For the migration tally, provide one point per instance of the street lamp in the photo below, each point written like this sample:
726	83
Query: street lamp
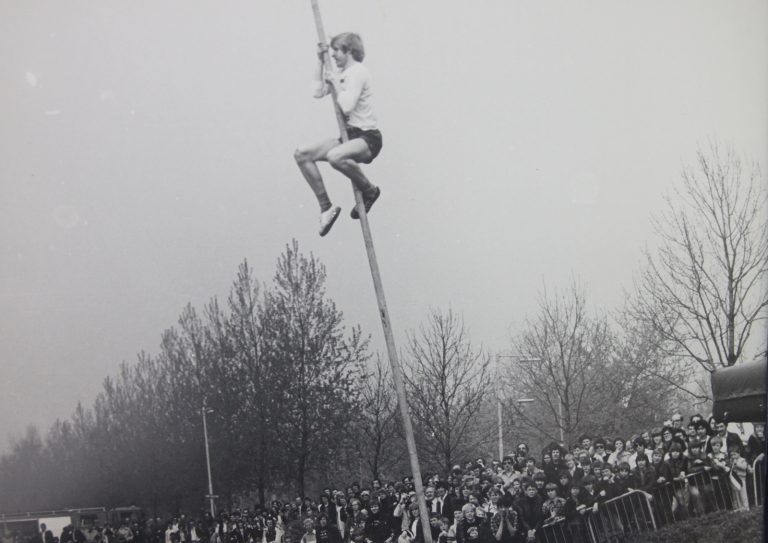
210	494
501	433
559	397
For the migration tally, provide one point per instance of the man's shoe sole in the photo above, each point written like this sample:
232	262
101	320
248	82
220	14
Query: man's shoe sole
355	215
328	226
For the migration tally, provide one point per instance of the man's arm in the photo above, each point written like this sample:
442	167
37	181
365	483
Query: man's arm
354	81
320	87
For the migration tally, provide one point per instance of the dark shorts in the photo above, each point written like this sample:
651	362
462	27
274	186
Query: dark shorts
372	138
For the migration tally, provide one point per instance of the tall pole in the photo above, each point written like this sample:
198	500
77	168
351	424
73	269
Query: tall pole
397	376
501	435
208	462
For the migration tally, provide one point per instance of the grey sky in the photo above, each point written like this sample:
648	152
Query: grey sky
146	149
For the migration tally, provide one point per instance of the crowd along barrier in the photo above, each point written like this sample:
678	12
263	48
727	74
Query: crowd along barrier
636	512
628	514
697	494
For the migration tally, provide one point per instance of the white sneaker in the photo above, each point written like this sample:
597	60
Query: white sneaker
327	218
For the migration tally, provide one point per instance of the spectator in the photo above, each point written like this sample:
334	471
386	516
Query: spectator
505	525
644	475
553	506
575	511
619	454
529	508
738	477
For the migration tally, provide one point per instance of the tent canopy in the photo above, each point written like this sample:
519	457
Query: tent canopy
739	392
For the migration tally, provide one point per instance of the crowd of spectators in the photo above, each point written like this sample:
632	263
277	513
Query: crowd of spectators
479	501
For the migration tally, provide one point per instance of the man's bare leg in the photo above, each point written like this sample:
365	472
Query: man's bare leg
307	158
344	157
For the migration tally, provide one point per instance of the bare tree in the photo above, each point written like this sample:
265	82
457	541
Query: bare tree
704	288
449	383
378	439
565	352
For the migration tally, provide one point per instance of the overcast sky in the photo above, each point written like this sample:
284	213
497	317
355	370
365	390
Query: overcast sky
146	149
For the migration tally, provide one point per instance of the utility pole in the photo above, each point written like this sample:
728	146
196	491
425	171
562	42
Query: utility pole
383	311
210	496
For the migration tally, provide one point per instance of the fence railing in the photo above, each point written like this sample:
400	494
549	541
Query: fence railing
636	512
697	494
556	532
758	480
630	513
562	530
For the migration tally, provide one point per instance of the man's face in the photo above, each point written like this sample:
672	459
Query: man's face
440	492
530	491
690	430
677	421
429	493
721	428
586	443
760	430
342	58
701	431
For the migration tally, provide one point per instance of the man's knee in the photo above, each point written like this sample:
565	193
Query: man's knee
302	154
338	160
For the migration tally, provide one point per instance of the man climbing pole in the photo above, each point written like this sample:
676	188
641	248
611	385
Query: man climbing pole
351	85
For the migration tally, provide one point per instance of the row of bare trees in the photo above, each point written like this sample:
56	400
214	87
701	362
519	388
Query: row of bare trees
298	402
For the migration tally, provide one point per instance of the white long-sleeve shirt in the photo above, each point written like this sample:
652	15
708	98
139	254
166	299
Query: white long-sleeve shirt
354	95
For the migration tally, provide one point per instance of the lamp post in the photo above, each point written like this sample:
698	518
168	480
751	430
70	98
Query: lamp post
518	358
210	494
500	421
559	398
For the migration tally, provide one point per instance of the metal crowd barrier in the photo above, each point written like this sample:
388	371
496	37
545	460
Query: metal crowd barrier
561	531
700	493
636	512
555	532
630	513
758	479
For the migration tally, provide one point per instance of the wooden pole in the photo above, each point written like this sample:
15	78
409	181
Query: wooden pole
397	375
